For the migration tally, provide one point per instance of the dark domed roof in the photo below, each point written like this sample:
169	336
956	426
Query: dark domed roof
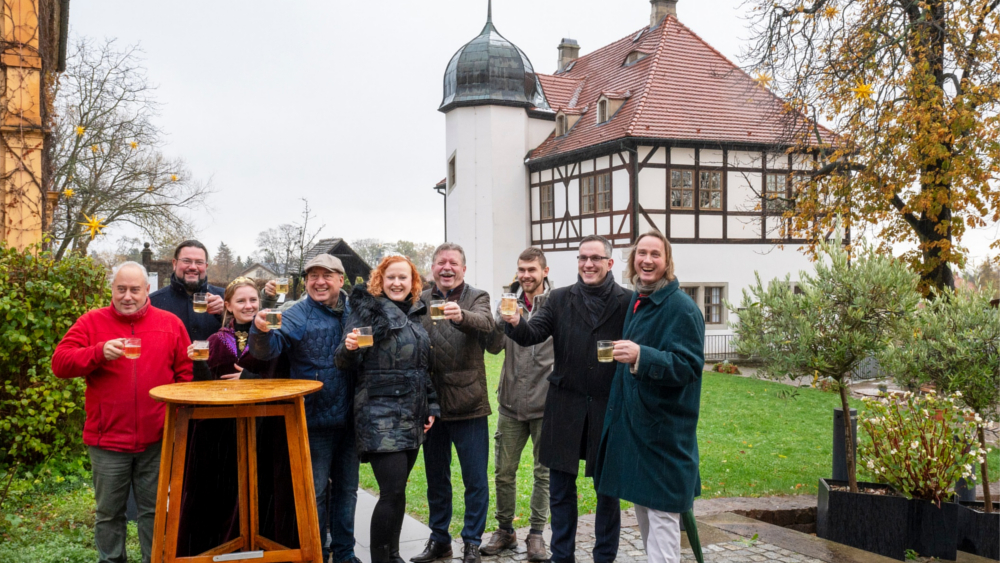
489	70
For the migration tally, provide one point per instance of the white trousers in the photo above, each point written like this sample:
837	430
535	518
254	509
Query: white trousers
661	534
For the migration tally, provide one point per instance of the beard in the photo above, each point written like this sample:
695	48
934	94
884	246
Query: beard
193	286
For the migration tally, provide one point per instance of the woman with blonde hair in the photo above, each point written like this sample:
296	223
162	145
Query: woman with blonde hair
649	446
394	400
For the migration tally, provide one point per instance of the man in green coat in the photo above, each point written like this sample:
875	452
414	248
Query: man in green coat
649	447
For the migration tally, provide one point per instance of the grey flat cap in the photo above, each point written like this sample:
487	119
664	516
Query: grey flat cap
327	262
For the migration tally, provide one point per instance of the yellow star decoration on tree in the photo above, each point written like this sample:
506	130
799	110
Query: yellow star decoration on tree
763	80
862	91
173	177
94	148
68	192
135	145
80	129
93	225
150	188
831	12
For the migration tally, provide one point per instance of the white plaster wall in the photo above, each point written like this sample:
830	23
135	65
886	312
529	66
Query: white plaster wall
735	265
488	208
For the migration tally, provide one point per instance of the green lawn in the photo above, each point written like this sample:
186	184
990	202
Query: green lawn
753	443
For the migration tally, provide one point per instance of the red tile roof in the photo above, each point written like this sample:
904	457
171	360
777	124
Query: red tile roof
685	90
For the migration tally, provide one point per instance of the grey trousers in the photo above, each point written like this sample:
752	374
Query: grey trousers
511	437
114	474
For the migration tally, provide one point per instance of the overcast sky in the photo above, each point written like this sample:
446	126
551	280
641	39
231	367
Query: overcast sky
336	101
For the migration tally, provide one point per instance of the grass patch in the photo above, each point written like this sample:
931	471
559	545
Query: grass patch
752	443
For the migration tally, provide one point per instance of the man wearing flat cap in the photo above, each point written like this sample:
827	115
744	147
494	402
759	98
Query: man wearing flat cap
309	335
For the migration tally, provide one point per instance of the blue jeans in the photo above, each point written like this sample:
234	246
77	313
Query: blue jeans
335	466
114	474
472	441
563	506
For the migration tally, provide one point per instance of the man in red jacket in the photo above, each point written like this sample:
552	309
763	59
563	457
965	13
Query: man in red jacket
124	425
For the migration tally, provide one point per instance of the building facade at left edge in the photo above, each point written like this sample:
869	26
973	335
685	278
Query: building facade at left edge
32	52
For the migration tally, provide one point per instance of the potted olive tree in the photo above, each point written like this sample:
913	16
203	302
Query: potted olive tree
919	444
849	309
955	344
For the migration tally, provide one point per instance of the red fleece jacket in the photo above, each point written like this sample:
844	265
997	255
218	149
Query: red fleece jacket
121	416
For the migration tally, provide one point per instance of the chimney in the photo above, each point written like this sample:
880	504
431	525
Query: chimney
662	9
569	51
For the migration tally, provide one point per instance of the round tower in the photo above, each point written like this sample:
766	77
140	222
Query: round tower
490	87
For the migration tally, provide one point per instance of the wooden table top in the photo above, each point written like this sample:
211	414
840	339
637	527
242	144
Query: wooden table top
234	392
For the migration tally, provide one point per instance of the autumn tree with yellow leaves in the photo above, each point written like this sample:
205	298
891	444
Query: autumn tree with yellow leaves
912	91
107	164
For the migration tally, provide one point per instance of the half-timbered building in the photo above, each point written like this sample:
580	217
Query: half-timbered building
657	130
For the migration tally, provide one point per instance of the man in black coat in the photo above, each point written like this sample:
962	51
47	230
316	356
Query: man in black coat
576	317
190	276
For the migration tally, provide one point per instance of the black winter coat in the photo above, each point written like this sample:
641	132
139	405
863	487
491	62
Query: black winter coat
393	393
579	385
177	300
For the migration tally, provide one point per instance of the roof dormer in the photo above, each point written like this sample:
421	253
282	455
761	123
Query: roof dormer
609	103
566	119
634	57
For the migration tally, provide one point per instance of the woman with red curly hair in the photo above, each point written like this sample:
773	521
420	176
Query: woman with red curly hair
394	400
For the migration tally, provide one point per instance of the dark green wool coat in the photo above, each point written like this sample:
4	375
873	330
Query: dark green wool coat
649	446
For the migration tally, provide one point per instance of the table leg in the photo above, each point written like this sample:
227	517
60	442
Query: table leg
183	418
243	468
302	486
254	524
160	523
300	409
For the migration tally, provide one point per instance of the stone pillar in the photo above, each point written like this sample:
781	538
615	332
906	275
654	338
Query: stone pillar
662	9
569	50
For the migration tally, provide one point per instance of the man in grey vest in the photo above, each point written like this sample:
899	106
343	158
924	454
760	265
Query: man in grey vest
521	397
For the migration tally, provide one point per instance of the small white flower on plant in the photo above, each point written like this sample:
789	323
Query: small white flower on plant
968	467
871	464
893	452
978	418
914	444
958	393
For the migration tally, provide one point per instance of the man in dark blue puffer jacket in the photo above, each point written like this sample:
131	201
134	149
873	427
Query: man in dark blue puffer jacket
309	335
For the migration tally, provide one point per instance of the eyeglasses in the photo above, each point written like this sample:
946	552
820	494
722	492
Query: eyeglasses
594	259
188	262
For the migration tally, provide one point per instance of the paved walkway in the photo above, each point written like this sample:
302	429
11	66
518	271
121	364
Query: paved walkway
725	538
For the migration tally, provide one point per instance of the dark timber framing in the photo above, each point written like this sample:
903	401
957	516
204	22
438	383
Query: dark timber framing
568	228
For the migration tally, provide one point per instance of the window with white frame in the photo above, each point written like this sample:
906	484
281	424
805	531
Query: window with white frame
603	192
713	304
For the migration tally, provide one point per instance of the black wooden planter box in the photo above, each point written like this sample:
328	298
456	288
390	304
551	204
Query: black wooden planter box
978	532
886	524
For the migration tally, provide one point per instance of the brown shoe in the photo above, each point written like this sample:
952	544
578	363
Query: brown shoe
501	540
536	548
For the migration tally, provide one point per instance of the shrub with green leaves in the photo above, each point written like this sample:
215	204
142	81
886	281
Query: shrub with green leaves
41	417
954	344
920	444
848	309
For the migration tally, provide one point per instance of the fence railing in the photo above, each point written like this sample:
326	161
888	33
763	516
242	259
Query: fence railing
718	348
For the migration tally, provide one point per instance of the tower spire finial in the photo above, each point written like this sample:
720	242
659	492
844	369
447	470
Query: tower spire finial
489	11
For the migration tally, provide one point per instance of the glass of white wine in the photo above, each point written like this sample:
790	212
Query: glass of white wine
437	310
273	318
200	301
605	351
365	338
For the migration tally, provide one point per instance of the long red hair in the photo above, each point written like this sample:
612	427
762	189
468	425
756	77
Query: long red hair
377	278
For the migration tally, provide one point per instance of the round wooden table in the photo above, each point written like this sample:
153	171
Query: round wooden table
244	400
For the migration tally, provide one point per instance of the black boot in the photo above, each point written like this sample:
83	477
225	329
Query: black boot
433	551
470	553
381	554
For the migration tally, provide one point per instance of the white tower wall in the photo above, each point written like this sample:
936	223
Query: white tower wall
488	211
